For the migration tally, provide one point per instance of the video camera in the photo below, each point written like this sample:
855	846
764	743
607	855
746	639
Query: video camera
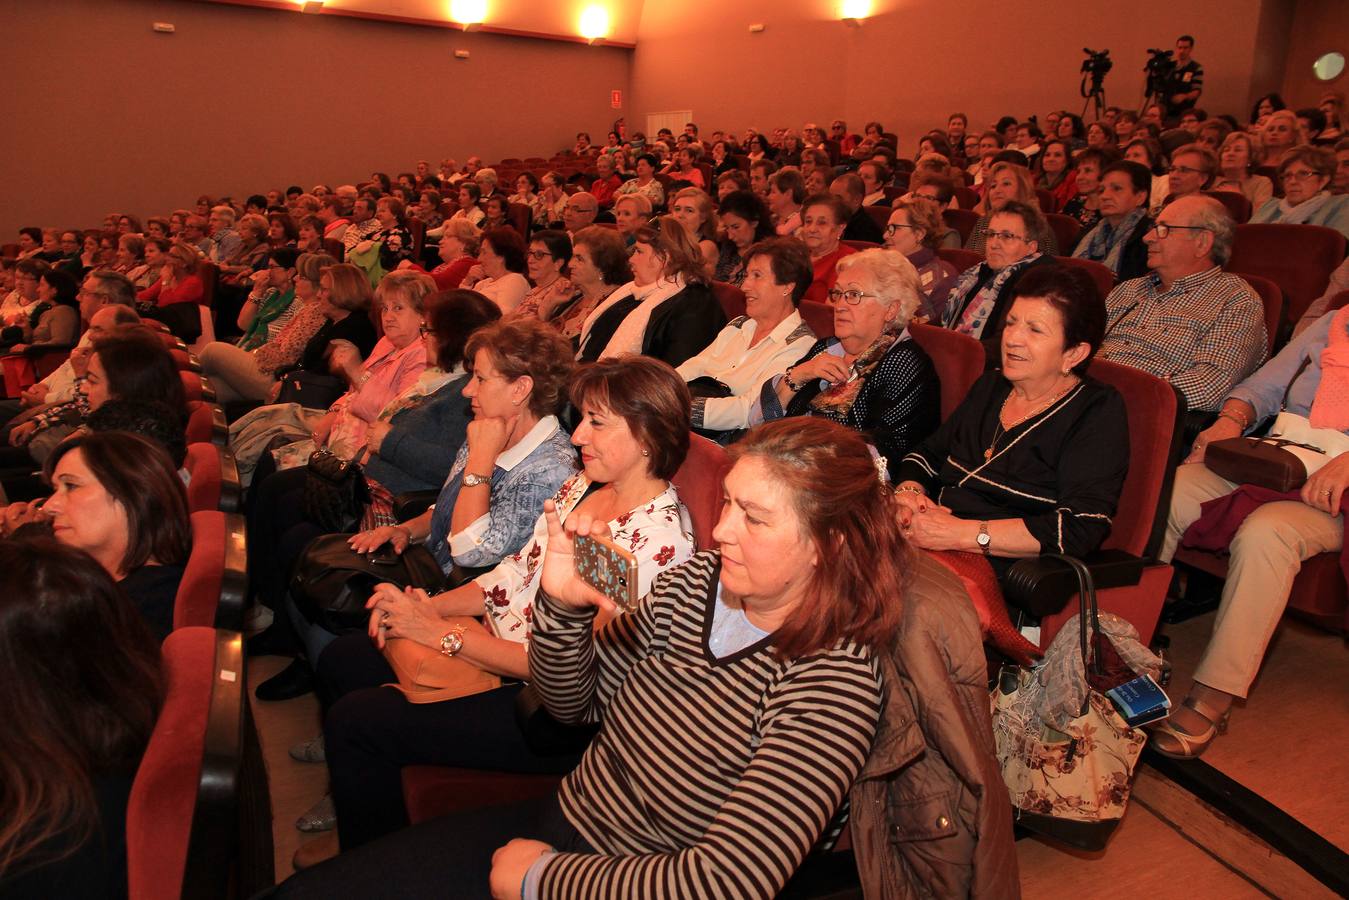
1096	66
1160	66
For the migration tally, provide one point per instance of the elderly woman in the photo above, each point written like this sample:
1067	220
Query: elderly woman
645	183
725	377
823	220
606	181
1148	152
1237	158
871	375
981	296
1278	135
526	189
173	299
1034	459
549	254
241	373
469	210
692	208
1193	168
392	240
459	243
1006	183
499	274
1085	204
599	266
551	203
1305	173
745	220
633	436
786	193
915	229
251	253
1268	535
1117	241
667	311
270	304
776	710
130	258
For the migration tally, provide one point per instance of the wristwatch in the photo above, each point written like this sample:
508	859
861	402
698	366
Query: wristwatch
791	385
471	480
453	641
984	540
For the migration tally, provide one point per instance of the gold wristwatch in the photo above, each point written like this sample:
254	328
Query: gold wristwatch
453	641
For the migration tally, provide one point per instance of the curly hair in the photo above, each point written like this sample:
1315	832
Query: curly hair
526	346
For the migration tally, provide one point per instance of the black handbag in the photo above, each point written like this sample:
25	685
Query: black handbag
335	492
332	582
310	389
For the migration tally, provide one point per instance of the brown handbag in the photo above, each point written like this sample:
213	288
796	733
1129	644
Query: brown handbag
1262	462
425	675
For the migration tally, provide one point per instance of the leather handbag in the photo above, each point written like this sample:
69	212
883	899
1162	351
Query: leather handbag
1264	462
335	492
425	675
332	582
1073	784
310	389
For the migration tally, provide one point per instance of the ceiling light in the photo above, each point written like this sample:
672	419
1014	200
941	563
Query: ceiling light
468	12
594	23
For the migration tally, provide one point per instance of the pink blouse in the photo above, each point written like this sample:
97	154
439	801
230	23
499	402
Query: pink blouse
386	374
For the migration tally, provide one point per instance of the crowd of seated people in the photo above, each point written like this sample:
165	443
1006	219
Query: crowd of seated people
539	364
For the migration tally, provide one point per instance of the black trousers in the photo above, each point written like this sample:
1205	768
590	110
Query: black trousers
447	857
371	733
278	530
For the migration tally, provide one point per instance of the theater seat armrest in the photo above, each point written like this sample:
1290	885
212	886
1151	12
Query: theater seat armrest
412	504
1042	586
34	351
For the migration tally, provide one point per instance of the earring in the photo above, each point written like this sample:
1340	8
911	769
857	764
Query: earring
646	452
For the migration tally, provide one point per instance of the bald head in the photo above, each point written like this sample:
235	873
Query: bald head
581	211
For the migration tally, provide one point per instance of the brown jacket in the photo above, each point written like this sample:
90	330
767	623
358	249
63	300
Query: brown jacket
930	813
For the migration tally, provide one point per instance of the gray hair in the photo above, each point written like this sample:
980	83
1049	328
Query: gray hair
1212	216
895	277
414	287
115	287
488	175
225	212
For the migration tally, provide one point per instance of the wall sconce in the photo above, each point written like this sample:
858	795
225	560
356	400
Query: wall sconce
854	12
594	23
468	13
311	6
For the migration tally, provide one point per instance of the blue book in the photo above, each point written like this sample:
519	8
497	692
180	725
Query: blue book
1140	701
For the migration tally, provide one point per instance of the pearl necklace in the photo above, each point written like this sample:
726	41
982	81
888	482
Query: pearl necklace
1000	431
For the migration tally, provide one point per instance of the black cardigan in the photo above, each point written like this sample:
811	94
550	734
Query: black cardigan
679	328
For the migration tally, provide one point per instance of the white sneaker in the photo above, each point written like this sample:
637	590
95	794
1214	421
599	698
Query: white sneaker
310	751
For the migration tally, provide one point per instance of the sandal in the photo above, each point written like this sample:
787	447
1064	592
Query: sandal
1171	741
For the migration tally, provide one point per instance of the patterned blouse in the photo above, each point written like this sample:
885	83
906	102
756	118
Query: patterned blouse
658	533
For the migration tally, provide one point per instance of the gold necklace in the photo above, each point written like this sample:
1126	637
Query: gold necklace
1000	431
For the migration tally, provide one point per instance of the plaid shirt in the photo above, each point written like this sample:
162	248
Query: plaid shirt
1204	335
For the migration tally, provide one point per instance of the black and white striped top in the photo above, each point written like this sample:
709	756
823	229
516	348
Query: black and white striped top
710	777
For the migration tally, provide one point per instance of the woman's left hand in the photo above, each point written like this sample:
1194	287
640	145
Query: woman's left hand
509	865
936	529
364	246
405	613
1324	490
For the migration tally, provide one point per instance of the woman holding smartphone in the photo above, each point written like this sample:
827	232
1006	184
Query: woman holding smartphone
633	436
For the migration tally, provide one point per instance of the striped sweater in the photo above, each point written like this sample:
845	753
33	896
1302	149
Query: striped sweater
709	778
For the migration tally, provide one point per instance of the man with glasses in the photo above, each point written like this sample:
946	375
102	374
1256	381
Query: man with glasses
21	301
1187	321
838	131
225	241
582	207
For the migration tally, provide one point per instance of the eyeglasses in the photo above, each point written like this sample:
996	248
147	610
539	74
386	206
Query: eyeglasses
1004	236
895	226
1185	170
852	298
1164	229
423	329
539	255
1302	175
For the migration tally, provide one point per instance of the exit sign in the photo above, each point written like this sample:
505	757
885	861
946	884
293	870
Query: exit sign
616	99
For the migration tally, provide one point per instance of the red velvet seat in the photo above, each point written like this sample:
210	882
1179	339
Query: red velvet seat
335	248
819	316
203	467
880	214
1046	199
520	217
962	220
966	198
1272	298
23	370
1101	274
182	823
1154	410
431	791
861	245
1298	258
1067	231
206	423
960	258
731	298
1238	205
959	360
213	587
417	231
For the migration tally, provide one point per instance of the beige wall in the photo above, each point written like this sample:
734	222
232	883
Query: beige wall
1318	27
98	113
911	64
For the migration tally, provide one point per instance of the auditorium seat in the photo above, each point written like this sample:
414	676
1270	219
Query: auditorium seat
1238	205
197	387
1046	199
183	821
698	482
1067	231
819	316
213	478
731	298
1101	274
966	198
22	370
417	231
206	422
1129	581
1298	258
962	220
519	216
958	358
880	214
1272	298
214	583
861	245
960	258
335	248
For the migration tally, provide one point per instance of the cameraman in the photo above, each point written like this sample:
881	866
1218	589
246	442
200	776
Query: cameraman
1184	84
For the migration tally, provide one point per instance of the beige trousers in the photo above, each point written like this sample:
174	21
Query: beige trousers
234	373
1267	553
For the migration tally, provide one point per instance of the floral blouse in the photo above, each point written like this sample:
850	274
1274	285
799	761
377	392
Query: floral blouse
659	534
